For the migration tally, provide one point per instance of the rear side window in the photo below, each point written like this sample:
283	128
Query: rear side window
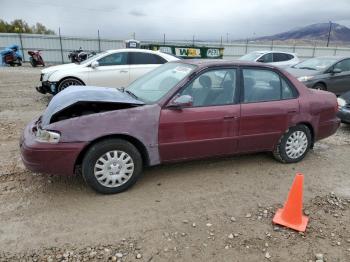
280	57
265	85
137	58
113	59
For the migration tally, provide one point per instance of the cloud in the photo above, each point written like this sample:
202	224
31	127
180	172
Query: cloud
178	19
137	13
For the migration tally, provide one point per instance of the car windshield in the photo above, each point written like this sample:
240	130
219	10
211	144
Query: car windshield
319	64
90	59
153	86
251	56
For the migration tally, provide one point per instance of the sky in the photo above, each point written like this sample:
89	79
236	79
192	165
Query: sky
177	19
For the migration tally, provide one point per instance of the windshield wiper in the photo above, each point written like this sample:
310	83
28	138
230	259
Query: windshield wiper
131	94
306	67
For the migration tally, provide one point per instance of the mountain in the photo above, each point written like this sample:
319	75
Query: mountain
313	32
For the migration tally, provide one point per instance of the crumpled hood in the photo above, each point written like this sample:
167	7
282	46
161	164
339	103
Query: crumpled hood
74	94
301	72
59	67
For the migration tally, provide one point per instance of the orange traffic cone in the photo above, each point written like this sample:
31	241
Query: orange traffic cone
291	215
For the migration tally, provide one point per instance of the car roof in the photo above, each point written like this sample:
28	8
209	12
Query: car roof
273	51
168	57
332	57
221	62
132	50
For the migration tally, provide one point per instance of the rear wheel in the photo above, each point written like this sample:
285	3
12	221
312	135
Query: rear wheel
112	166
68	82
293	145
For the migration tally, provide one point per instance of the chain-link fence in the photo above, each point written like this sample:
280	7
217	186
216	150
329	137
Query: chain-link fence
56	48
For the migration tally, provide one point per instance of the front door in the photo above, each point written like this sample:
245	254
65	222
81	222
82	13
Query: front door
112	71
340	82
268	105
210	126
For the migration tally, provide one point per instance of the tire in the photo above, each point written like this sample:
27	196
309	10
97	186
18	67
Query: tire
115	174
286	152
68	82
32	62
320	86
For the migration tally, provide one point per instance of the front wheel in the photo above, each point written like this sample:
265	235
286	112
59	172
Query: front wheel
320	86
68	82
293	145
112	166
32	62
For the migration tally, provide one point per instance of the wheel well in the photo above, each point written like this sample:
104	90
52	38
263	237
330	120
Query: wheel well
137	143
320	83
312	131
67	77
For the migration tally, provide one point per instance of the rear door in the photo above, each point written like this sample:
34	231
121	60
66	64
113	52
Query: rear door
210	126
141	63
112	71
282	59
269	102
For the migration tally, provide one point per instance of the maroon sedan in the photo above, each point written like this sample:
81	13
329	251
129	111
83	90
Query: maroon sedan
180	111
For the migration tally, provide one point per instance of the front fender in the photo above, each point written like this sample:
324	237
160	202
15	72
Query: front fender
139	122
81	73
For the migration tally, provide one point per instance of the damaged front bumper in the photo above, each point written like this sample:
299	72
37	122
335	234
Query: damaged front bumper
47	87
50	158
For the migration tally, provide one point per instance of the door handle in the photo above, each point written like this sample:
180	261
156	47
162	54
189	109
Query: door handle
123	71
292	111
230	117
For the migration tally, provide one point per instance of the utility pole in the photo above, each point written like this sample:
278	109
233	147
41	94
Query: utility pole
193	40
134	35
60	37
227	37
329	32
99	40
164	39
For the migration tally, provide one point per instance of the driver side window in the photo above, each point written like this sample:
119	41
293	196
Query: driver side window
267	58
343	65
212	88
113	59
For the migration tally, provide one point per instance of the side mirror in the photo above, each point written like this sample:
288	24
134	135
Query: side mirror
261	60
180	102
336	71
94	64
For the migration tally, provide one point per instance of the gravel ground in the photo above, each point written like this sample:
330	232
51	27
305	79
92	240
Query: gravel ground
212	210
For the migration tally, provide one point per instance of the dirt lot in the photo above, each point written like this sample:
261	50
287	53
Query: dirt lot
213	210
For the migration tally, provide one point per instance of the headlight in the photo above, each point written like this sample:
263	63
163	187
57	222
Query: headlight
46	136
341	102
47	76
305	78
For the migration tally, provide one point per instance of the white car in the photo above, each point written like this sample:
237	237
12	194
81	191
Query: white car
113	68
276	58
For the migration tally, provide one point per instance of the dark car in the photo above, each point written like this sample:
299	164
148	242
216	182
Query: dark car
344	108
330	73
180	111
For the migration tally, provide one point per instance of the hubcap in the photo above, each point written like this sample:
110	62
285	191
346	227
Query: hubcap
114	168
72	82
296	145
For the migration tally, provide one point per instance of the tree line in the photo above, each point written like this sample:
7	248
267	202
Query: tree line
20	26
